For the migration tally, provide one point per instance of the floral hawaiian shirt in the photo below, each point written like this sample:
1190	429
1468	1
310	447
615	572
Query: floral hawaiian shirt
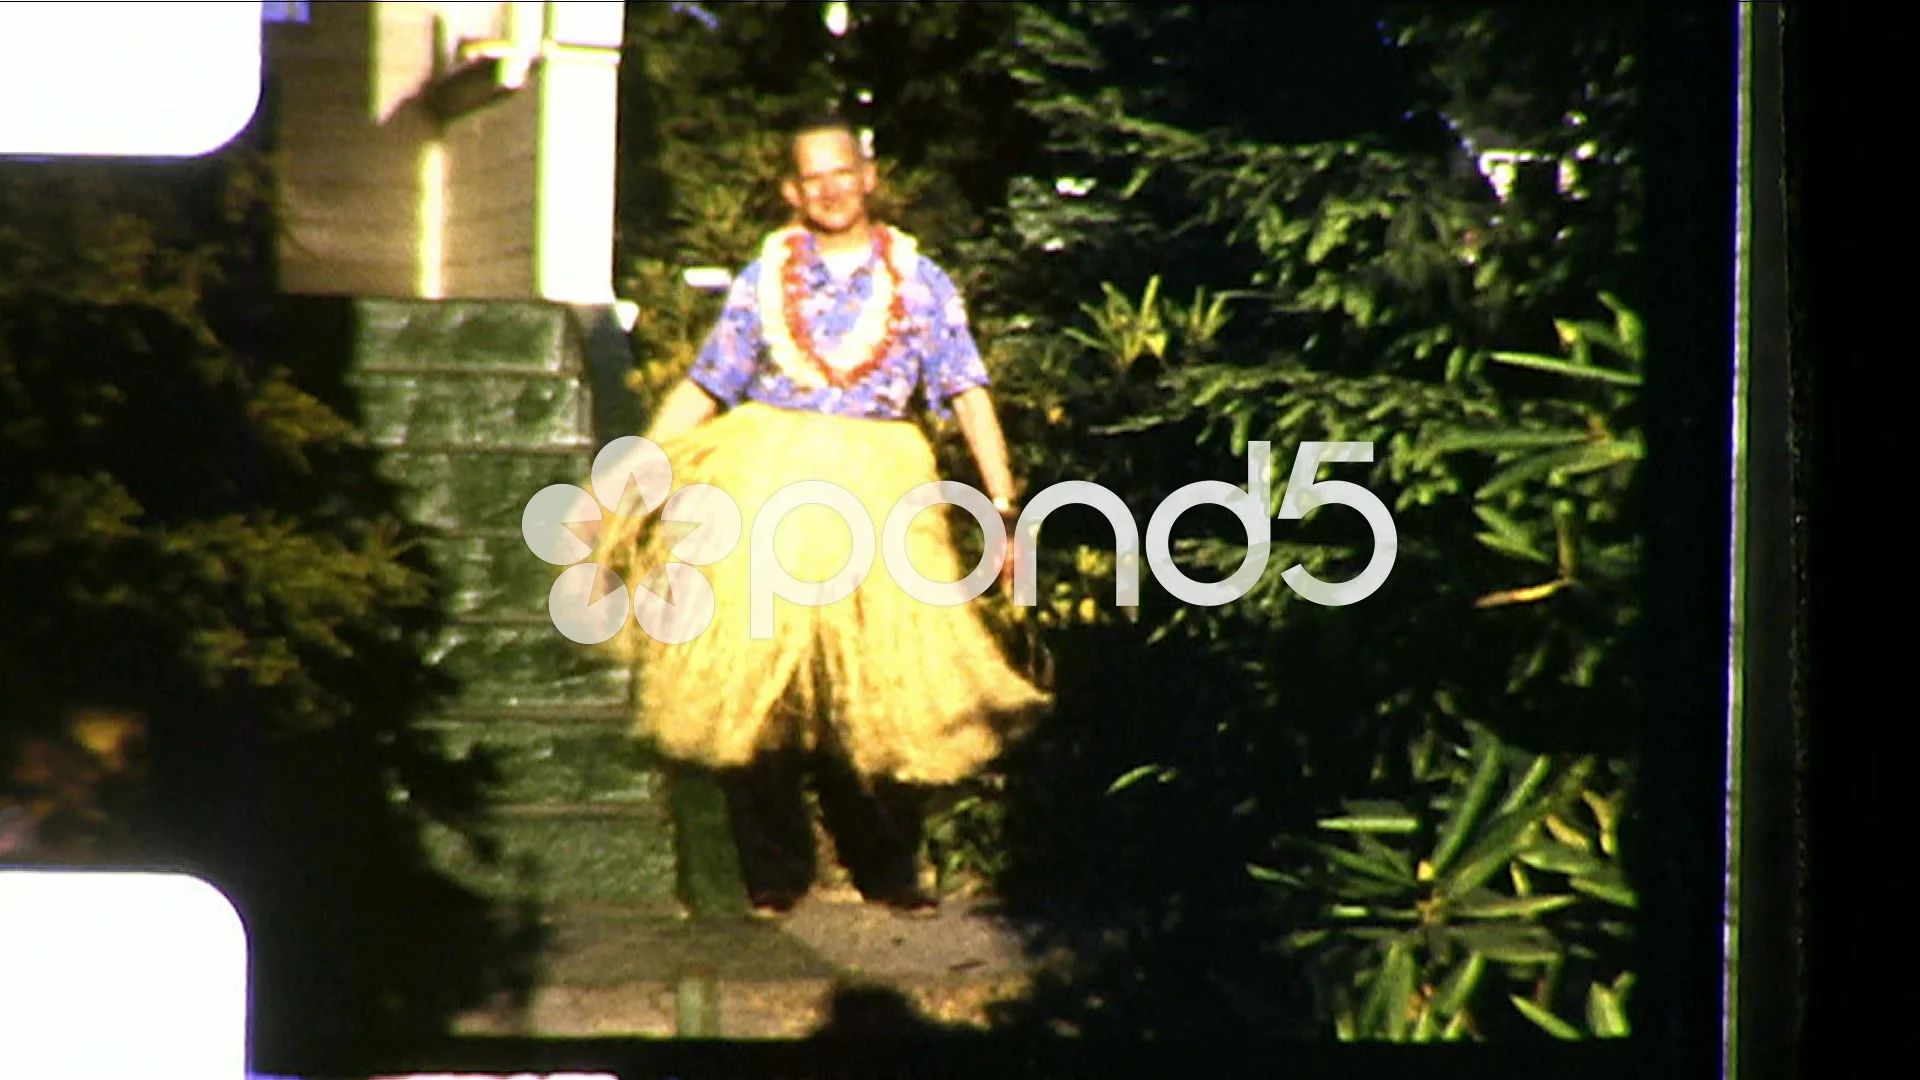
937	357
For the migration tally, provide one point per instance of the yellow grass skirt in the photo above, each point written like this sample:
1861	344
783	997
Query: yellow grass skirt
910	690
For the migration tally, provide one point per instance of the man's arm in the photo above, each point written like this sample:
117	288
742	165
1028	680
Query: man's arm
687	407
981	425
956	378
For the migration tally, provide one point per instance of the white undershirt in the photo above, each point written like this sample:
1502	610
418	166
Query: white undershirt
843	264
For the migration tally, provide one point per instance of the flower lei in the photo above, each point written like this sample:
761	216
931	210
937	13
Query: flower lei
783	289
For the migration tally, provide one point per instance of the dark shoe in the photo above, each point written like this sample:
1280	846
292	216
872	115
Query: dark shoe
775	903
910	901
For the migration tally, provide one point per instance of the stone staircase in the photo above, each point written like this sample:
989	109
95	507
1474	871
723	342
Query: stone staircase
476	406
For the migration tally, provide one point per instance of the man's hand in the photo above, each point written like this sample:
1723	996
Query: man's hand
686	407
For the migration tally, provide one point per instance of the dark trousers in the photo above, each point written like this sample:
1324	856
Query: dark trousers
877	828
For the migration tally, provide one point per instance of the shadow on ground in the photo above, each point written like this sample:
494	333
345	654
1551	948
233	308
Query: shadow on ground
866	1014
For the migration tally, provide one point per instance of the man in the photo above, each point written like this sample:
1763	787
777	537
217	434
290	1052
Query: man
827	342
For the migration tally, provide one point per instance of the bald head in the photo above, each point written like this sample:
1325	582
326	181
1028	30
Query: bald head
838	127
831	178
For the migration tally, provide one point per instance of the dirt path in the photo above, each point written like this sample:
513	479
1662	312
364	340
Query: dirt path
834	960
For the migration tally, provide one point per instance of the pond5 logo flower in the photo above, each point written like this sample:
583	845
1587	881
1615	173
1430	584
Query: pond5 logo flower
589	603
632	477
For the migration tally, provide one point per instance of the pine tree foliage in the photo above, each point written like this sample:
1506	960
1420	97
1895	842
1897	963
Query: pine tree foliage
1200	272
196	548
126	523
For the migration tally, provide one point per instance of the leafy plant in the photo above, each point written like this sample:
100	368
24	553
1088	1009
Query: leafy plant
1570	445
965	835
1493	889
1518	890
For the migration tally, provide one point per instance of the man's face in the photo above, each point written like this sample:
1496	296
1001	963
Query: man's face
832	181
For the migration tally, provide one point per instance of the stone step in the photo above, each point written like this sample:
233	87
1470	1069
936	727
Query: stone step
569	856
525	663
392	335
598	716
535	411
488	575
589	758
612	974
469	492
584	762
